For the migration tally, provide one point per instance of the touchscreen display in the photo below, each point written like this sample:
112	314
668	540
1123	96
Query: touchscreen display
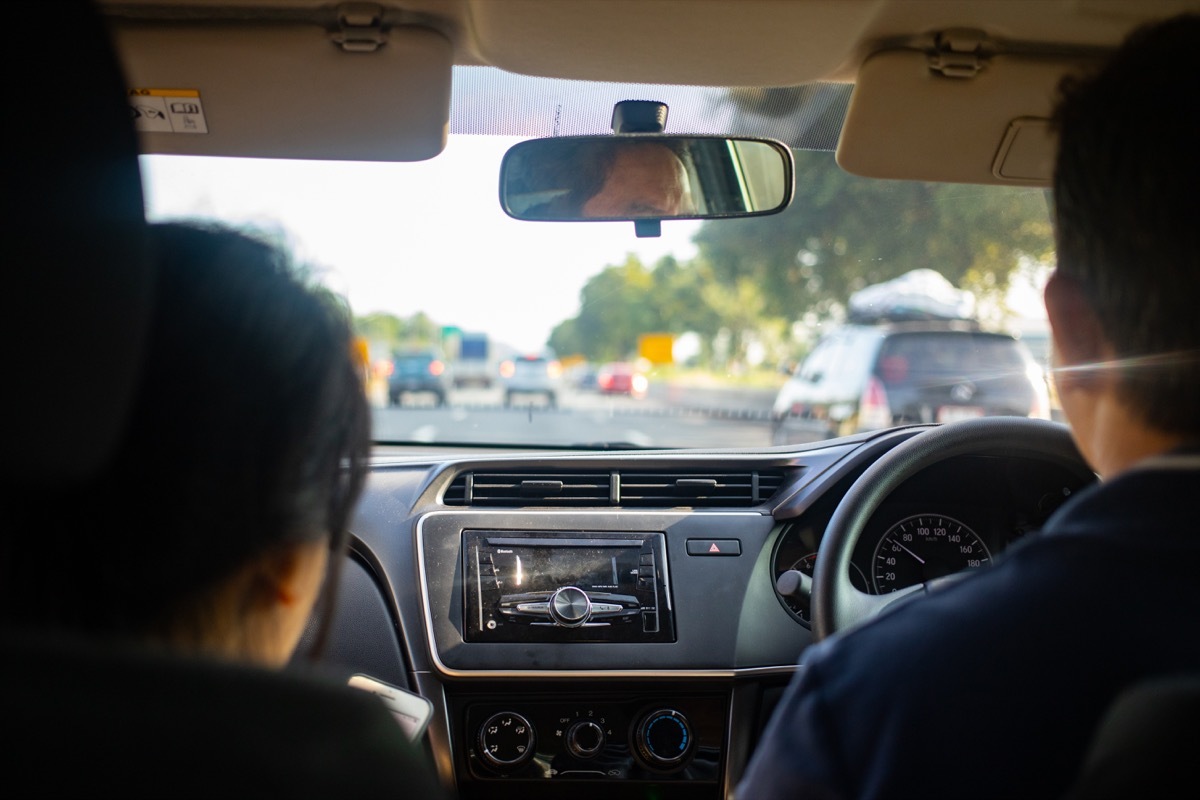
531	565
529	587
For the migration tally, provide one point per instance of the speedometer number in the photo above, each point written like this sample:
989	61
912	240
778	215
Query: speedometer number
923	547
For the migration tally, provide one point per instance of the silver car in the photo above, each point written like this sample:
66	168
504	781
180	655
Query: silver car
531	376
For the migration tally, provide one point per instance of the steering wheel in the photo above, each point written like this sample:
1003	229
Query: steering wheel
836	603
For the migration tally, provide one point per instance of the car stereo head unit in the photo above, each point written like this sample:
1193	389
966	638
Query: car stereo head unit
526	586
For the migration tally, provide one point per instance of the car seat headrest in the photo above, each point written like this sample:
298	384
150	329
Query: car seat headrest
79	277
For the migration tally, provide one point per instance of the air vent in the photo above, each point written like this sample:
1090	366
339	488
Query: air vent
642	489
532	489
658	489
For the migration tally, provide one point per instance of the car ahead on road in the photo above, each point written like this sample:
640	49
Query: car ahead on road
870	377
581	376
473	365
418	372
589	617
531	376
622	377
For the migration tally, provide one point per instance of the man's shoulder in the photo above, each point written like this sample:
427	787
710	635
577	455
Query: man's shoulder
1141	502
1041	595
1031	598
1058	621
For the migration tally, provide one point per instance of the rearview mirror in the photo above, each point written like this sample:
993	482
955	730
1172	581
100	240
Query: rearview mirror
645	177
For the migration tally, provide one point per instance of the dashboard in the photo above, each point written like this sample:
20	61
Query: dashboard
588	624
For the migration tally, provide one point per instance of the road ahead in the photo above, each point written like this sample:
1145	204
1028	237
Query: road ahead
664	419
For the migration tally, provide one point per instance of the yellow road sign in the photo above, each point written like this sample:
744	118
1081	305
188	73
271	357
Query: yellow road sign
657	348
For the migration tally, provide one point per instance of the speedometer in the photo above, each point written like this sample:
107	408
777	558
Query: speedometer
923	547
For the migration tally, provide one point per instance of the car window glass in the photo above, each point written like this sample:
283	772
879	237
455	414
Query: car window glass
711	314
852	363
817	365
947	353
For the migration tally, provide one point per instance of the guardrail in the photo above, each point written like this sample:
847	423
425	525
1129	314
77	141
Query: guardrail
742	402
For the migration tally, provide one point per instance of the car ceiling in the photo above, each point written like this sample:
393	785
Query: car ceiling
951	90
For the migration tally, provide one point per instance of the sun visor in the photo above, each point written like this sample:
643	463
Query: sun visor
287	91
987	124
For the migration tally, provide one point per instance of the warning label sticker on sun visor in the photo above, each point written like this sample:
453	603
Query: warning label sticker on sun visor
167	110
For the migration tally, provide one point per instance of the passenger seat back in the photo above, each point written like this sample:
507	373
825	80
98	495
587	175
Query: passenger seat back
79	281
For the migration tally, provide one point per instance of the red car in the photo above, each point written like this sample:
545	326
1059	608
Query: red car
622	378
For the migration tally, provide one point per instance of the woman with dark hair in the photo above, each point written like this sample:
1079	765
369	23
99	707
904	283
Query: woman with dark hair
229	497
147	623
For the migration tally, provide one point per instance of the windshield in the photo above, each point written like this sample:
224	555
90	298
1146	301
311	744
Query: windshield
714	316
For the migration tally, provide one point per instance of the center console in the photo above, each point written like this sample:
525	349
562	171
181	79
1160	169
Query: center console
567	662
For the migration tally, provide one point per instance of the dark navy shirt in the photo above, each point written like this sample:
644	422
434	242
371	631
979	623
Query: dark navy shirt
992	686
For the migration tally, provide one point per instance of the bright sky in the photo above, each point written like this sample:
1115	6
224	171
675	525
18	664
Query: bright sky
403	238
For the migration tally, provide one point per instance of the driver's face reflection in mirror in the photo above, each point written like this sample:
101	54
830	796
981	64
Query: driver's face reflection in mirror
643	180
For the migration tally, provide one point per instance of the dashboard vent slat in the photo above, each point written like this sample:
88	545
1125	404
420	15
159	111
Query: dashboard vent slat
643	489
525	488
630	489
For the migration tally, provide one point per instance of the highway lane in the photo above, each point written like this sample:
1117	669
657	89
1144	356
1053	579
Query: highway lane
579	419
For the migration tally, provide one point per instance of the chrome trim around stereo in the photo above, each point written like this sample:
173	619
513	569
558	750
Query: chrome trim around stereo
485	514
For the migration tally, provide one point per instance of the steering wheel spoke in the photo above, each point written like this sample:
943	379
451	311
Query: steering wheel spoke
879	602
855	606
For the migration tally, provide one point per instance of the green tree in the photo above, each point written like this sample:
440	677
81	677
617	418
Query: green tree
565	339
843	232
680	294
626	300
390	331
616	305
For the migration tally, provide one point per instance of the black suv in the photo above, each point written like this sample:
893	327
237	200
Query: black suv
420	371
864	377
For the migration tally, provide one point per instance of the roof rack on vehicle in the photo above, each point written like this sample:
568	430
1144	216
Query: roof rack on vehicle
917	295
904	316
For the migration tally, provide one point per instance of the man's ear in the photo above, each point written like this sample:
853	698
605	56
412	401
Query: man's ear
1079	338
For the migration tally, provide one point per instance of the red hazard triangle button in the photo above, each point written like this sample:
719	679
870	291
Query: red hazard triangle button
714	547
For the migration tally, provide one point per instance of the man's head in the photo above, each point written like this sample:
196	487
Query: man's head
1124	299
614	177
642	179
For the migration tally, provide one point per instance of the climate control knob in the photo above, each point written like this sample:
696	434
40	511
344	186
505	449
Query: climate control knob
585	739
506	740
570	607
663	739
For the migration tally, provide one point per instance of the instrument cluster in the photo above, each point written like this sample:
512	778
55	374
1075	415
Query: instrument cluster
960	514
